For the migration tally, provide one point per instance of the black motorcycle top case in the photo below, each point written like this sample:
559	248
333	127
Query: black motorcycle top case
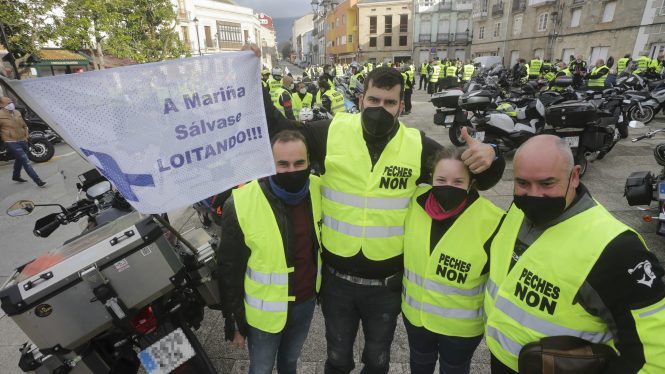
448	99
57	309
571	114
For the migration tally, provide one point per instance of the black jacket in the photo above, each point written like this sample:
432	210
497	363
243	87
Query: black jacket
233	254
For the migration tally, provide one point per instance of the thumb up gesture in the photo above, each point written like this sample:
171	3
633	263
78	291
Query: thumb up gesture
479	156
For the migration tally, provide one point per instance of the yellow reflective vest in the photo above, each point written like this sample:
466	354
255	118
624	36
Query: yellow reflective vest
444	288
468	72
274	85
621	64
298	103
336	101
451	72
364	206
266	283
536	298
600	81
436	70
534	67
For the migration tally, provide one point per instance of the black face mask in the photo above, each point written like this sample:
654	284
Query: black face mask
377	122
293	181
542	209
449	197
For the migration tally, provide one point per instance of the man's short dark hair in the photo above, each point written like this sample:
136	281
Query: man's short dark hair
286	136
385	78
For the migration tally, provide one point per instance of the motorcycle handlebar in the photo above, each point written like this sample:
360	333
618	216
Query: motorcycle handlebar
46	225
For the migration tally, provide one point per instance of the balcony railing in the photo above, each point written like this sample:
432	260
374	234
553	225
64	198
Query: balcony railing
461	38
578	2
424	37
463	5
497	10
420	8
519	5
442	38
480	13
541	2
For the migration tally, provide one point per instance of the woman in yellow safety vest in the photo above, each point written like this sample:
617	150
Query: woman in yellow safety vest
446	265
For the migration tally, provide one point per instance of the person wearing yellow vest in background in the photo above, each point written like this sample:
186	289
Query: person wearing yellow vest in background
598	75
656	64
408	90
446	265
623	63
301	99
284	102
562	72
329	99
270	259
265	75
642	64
423	75
434	73
534	68
451	75
562	265
371	164
467	72
442	75
275	83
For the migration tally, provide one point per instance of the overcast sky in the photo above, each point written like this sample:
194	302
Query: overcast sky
279	8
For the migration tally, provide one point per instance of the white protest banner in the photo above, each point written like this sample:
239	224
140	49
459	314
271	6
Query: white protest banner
167	134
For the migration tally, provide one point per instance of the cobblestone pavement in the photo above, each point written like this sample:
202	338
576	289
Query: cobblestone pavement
605	179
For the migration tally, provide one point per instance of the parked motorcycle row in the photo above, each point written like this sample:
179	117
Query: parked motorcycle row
495	110
127	283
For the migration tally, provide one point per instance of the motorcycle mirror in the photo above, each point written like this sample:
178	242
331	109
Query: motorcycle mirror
21	208
610	62
636	124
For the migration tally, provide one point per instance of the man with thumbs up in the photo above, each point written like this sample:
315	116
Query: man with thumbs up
371	164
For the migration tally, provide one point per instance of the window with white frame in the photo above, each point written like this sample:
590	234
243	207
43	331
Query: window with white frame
343	40
517	24
608	11
497	29
575	17
542	21
481	32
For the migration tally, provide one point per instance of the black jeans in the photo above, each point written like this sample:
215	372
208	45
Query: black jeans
423	78
407	100
453	352
345	305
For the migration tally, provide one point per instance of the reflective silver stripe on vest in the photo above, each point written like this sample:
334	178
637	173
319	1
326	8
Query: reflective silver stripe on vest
443	289
266	306
267	278
363	231
646	314
492	288
506	343
387	203
441	311
548	328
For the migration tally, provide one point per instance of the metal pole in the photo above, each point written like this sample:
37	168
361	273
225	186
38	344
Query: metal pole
198	40
12	62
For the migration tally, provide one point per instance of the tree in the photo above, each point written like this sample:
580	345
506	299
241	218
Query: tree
28	25
84	25
286	50
144	31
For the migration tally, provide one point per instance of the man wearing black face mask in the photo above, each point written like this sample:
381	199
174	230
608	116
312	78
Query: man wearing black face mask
268	257
371	164
562	265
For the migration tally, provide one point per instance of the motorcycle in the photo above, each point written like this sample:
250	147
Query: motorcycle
127	282
40	149
449	114
643	187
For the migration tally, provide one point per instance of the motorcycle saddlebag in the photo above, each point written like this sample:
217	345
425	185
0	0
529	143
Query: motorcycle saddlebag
448	99
571	114
639	188
595	137
52	300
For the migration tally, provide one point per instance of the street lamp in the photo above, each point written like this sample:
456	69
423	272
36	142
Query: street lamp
198	40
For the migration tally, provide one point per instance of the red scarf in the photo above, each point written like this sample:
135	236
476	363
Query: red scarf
435	210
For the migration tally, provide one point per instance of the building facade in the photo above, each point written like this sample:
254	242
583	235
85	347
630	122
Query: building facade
215	26
442	28
385	30
558	29
342	32
301	37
